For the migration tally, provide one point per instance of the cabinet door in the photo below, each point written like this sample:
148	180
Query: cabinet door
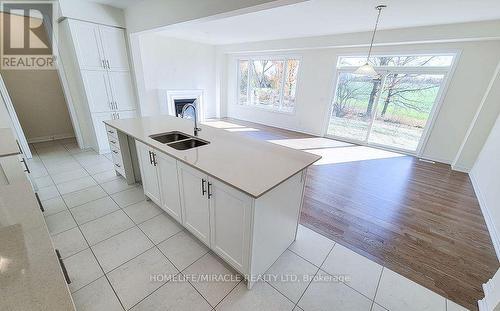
115	47
122	90
88	45
195	209
230	224
97	89
169	186
149	173
100	130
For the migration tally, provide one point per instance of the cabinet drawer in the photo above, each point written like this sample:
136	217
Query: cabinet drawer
117	156
113	142
117	160
115	151
111	131
119	168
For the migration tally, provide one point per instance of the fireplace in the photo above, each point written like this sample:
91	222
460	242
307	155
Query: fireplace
179	105
176	99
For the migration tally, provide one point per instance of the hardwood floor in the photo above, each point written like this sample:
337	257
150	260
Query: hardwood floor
419	219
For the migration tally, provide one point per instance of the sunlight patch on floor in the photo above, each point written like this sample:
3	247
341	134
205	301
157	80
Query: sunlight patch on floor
242	129
223	124
310	143
351	154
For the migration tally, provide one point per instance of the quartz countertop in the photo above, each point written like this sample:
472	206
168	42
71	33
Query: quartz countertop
30	274
250	165
8	144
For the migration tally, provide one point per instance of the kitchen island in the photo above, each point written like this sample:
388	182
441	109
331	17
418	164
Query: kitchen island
239	196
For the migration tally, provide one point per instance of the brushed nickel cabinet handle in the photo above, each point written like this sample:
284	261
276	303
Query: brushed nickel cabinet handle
209	190
203	191
154	159
39	202
26	166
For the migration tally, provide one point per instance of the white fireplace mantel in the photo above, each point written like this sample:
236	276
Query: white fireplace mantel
167	98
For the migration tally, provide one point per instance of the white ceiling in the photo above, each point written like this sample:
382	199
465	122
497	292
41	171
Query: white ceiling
122	4
322	17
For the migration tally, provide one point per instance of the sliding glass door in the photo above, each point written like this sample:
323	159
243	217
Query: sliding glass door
353	108
392	110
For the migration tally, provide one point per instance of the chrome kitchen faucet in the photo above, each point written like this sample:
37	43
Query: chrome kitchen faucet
196	126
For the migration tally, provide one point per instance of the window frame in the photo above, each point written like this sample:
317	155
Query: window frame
285	59
447	71
453	54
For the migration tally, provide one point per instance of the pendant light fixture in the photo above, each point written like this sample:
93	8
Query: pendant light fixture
367	69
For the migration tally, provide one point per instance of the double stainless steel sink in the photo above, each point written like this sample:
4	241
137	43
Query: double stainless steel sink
179	140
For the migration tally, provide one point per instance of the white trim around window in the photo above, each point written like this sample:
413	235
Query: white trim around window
285	59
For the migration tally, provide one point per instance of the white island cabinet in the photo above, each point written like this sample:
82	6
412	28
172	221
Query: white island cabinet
217	214
230	222
169	186
195	205
159	179
240	197
149	172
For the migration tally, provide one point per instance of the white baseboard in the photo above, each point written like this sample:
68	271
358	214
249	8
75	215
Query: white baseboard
460	168
457	168
49	138
435	159
486	214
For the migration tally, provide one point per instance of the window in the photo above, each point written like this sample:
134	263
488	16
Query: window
392	110
268	83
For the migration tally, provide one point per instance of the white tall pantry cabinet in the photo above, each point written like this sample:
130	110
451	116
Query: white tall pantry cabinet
100	53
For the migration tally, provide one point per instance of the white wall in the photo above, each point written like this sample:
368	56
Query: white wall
173	64
475	67
37	97
485	176
484	120
314	90
92	12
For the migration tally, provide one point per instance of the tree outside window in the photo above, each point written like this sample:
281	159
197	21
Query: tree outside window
268	83
392	109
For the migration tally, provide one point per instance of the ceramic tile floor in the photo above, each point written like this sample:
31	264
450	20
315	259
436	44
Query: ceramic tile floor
124	253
